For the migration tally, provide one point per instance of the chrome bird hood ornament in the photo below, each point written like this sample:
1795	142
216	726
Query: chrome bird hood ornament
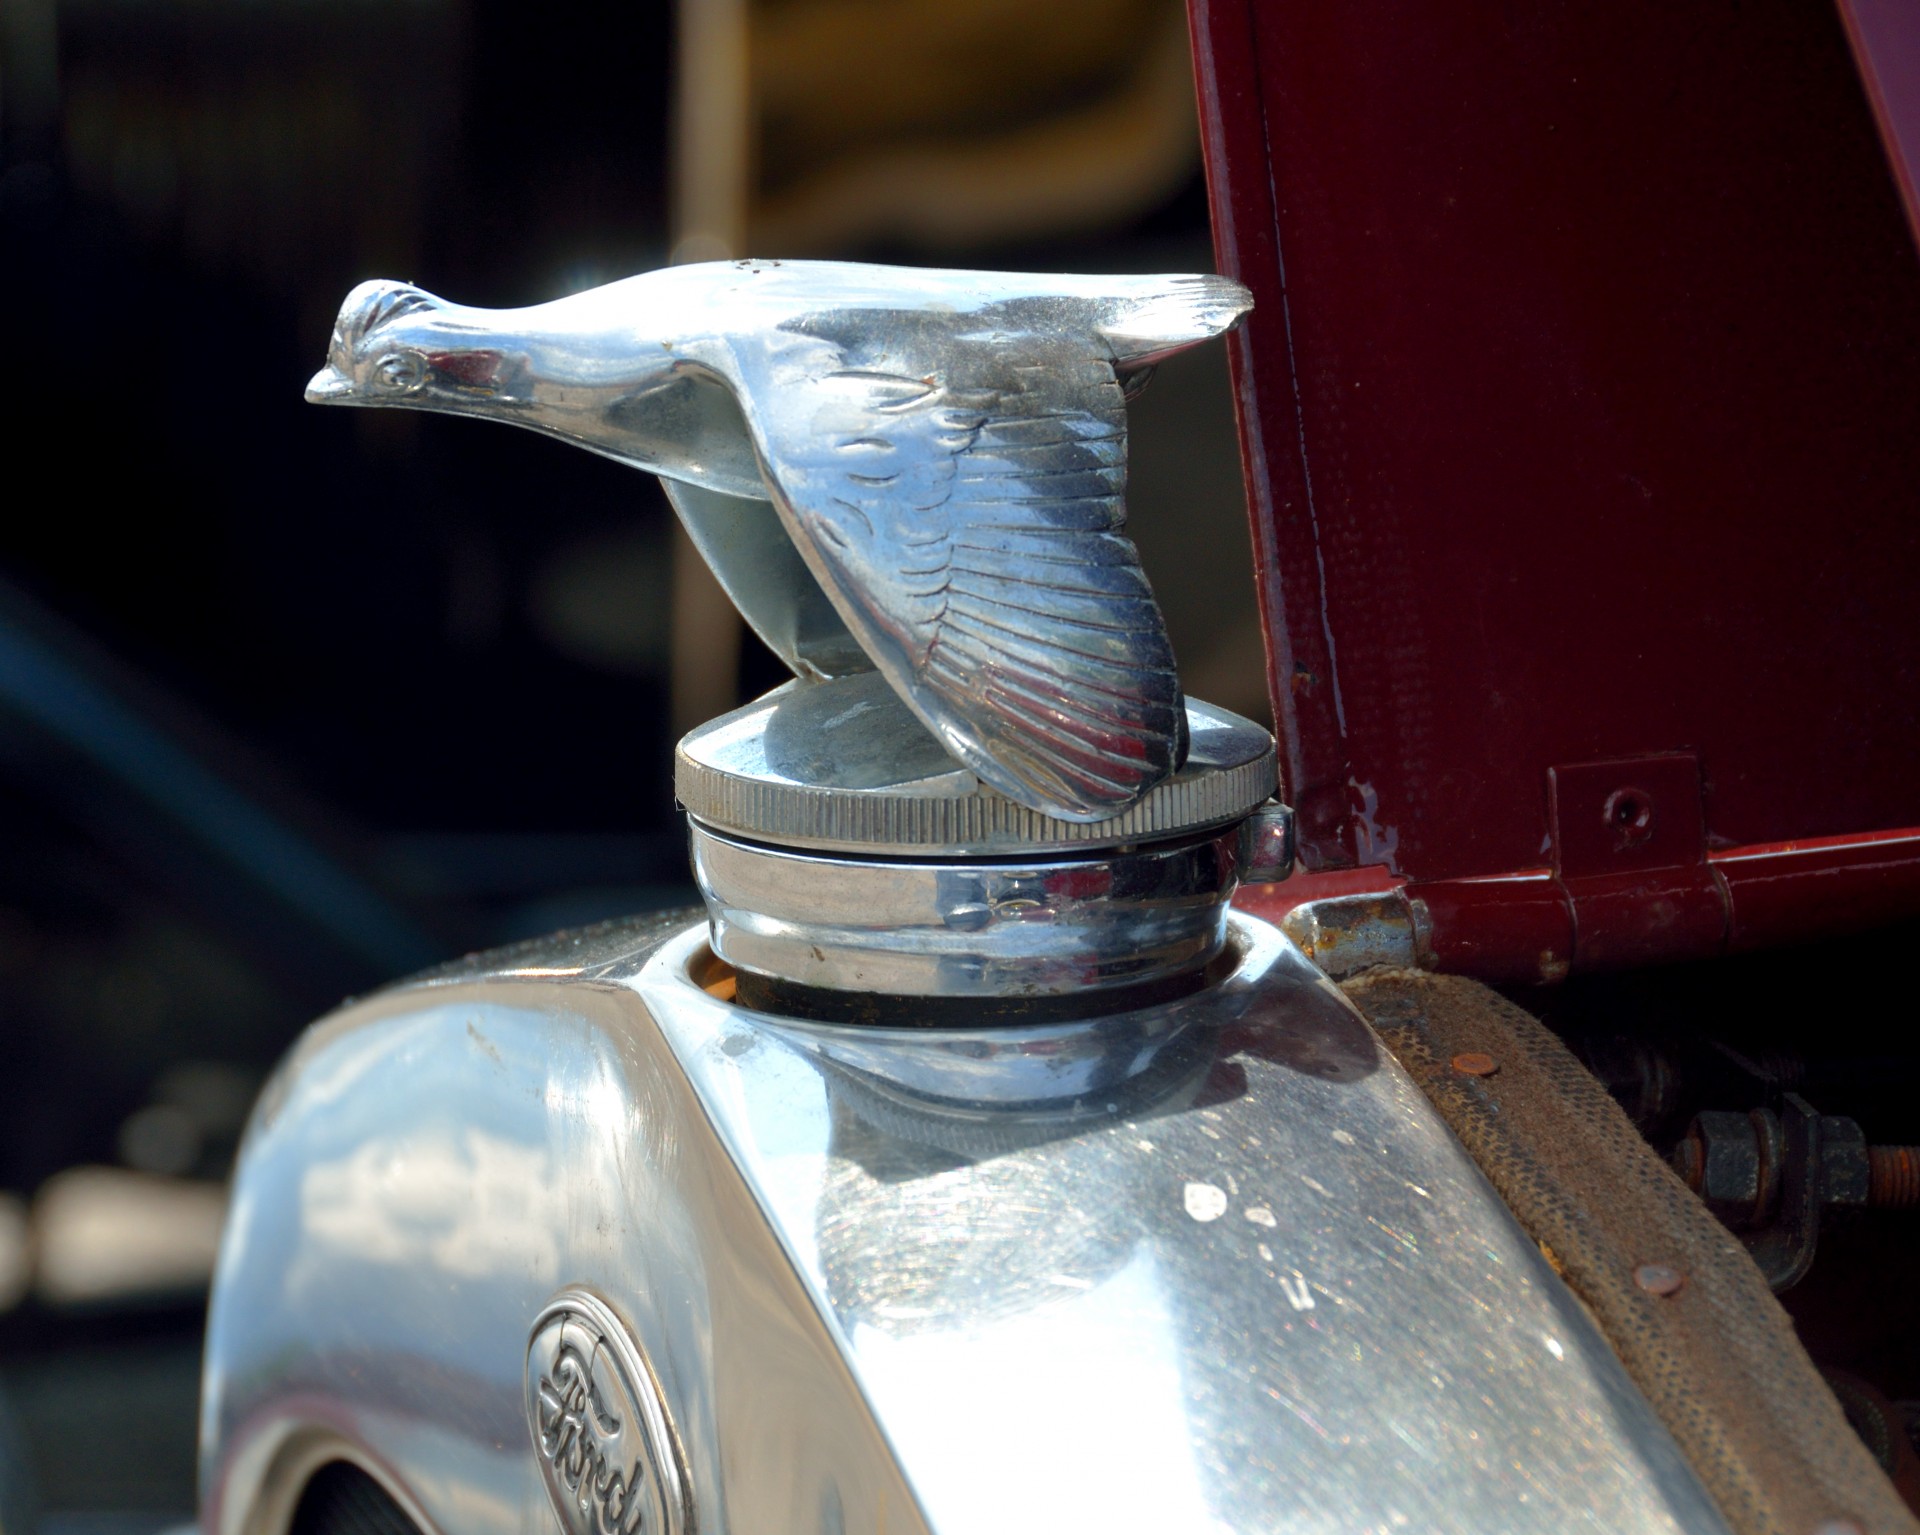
917	471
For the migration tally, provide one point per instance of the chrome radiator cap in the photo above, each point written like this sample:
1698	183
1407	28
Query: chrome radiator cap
840	847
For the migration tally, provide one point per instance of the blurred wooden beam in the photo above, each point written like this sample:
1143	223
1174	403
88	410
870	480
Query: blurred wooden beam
712	176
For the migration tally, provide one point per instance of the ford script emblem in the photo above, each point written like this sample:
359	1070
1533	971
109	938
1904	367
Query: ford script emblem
606	1450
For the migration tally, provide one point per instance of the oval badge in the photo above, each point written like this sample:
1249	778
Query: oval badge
600	1432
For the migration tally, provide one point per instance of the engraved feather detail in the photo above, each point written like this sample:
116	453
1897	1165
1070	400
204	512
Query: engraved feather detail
967	521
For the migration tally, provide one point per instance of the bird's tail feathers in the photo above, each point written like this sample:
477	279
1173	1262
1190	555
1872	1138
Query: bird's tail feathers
1172	314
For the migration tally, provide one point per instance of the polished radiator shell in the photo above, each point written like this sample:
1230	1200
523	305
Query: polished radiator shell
1210	1266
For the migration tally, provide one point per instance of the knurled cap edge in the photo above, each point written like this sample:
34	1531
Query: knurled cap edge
981	822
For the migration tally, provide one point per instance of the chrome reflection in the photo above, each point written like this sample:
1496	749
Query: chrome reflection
1208	1266
600	1432
907	469
1038	926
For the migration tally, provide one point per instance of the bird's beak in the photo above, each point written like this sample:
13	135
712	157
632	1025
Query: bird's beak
330	387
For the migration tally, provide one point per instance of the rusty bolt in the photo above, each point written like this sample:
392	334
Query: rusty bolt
1734	1161
1893	1177
1689	1162
1475	1063
1659	1278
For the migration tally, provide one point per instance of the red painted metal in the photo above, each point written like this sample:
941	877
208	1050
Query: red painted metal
1885	35
1629	842
1822	889
1581	419
1272	902
1531	926
1513	927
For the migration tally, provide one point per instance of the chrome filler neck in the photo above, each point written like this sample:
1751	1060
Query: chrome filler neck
840	848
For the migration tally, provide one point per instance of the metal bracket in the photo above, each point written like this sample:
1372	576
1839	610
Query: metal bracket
1628	840
1769	1175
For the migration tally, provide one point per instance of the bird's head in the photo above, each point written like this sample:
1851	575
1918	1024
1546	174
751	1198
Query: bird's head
392	345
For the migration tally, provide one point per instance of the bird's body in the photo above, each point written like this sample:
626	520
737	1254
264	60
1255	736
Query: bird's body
946	452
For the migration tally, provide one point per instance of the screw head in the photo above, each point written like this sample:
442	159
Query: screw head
1475	1063
1628	816
1659	1278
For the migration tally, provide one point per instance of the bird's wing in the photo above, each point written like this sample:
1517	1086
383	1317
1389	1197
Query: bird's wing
960	498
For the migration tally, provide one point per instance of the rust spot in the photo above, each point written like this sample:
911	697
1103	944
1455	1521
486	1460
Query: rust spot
1894	1176
1552	966
1475	1063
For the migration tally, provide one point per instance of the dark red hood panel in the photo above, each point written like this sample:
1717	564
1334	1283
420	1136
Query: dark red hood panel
1581	410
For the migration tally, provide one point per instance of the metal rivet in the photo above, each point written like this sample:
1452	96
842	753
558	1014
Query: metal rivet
1475	1063
1659	1278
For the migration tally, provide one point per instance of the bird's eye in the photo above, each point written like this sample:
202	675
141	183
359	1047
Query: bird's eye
400	372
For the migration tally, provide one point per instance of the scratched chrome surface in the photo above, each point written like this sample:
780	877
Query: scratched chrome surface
1211	1266
918	470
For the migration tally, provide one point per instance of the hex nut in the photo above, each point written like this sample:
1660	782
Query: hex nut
1846	1162
1721	1163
